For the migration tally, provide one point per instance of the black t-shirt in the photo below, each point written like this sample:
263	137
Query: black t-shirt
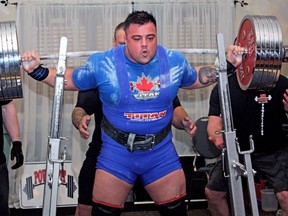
257	113
2	155
89	101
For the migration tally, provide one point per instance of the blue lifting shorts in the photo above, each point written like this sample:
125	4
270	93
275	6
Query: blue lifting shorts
148	166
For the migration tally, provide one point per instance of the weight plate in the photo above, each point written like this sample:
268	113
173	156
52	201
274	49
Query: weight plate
261	66
10	78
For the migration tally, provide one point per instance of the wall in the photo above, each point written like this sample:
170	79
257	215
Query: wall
7	13
276	8
255	7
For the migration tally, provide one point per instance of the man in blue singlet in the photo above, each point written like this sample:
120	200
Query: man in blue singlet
137	83
88	103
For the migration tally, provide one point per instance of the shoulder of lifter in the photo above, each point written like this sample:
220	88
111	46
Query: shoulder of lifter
173	54
101	55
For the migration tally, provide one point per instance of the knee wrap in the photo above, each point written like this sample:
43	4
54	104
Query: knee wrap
105	210
176	207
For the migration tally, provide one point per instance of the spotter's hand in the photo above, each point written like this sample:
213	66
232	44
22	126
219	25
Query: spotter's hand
83	127
234	55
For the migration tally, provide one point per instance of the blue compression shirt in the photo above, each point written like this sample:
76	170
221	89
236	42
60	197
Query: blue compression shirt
136	98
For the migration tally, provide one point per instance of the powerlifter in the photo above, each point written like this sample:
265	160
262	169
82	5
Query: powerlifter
137	83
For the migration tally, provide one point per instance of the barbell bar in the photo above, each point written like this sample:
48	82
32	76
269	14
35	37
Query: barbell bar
261	65
88	53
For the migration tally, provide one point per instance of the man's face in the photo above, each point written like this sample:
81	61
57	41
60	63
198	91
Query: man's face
141	42
120	38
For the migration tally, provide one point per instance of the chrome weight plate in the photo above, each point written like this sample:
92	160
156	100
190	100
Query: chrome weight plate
261	66
10	77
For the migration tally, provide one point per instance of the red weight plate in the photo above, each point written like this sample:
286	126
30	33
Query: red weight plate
246	38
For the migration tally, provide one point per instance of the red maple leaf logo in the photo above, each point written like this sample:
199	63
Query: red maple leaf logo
144	85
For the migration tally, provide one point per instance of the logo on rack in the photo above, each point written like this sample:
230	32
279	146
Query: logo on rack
145	88
39	179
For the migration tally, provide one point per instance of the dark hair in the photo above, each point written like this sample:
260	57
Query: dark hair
139	17
118	27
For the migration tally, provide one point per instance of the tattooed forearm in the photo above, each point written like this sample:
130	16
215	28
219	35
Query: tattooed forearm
207	75
77	115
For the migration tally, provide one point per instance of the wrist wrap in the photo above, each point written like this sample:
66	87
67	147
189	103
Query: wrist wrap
40	73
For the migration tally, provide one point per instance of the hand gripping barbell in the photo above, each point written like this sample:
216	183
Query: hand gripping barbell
261	65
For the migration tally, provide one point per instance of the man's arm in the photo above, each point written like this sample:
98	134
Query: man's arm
77	114
206	75
214	129
88	103
81	120
181	120
31	64
11	124
10	121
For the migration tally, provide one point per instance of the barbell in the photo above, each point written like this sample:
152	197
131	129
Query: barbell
261	36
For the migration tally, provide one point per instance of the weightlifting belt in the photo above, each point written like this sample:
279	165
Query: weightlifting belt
134	142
